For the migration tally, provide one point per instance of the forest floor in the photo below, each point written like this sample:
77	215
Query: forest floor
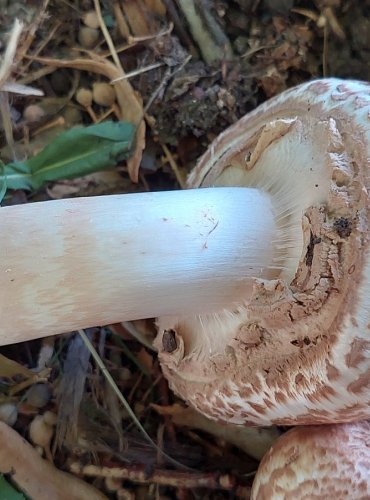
185	79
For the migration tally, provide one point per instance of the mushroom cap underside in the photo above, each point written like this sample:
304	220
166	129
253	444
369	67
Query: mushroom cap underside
331	461
298	351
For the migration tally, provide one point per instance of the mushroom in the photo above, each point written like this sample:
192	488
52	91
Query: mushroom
297	350
258	278
324	461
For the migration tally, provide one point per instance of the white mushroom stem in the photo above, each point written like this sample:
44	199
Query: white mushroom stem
84	262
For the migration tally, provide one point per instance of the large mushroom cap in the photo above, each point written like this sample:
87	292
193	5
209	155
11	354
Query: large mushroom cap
298	352
330	461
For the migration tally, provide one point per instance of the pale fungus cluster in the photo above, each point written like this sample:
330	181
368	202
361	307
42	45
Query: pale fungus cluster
102	94
258	274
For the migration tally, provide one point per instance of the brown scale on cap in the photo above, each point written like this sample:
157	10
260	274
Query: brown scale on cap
298	351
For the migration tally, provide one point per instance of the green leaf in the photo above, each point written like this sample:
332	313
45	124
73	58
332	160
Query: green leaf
77	152
16	176
7	492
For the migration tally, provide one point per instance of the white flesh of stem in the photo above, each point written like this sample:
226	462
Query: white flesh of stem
83	262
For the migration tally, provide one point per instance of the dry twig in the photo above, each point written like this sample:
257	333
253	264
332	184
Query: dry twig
163	477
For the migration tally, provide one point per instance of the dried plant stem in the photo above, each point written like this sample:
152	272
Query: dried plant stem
180	177
120	19
212	41
122	399
7	61
107	36
139	474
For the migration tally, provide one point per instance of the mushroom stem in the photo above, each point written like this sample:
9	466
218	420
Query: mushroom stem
83	262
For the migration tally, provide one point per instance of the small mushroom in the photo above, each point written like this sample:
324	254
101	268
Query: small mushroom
91	19
33	113
88	37
331	461
104	94
259	278
84	97
42	430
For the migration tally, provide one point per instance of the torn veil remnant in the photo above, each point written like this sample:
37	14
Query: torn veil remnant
298	350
